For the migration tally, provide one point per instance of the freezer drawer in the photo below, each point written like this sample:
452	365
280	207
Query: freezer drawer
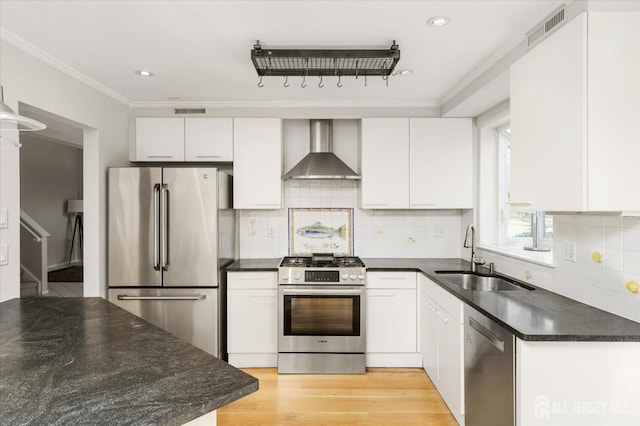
188	313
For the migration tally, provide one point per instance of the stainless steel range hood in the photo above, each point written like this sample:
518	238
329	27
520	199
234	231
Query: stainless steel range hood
321	162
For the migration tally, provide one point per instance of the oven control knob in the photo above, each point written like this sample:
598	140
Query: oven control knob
297	275
361	277
353	277
284	277
345	276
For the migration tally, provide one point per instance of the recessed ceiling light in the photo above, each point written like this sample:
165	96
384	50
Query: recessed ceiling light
144	73
403	72
439	21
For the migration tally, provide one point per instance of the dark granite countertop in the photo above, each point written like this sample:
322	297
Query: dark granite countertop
86	361
254	265
537	315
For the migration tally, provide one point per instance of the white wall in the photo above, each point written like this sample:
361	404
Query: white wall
31	81
602	283
50	174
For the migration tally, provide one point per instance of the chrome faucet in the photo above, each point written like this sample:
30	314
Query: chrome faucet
474	260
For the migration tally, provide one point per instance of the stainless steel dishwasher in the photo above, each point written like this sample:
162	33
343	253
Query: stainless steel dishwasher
489	354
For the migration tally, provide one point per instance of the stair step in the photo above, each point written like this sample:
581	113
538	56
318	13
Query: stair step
28	288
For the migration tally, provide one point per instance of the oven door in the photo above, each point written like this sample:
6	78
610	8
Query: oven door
321	319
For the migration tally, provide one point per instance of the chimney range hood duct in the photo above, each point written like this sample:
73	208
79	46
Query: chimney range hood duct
321	162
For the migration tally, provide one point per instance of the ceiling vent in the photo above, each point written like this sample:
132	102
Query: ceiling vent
189	111
550	24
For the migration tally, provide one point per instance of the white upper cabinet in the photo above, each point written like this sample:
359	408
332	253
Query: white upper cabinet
208	139
575	114
440	163
257	165
385	165
159	139
417	163
184	139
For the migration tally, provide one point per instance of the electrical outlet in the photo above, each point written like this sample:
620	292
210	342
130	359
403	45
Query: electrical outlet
439	231
4	255
569	251
271	232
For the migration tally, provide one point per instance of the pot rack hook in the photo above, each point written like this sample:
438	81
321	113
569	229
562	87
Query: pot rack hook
356	69
260	83
286	81
365	80
386	80
339	84
304	81
321	84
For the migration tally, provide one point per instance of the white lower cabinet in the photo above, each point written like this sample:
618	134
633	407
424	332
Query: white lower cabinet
441	343
391	320
252	319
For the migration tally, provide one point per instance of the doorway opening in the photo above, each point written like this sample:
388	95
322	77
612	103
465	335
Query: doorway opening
51	202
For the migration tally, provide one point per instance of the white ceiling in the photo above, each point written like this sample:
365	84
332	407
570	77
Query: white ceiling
200	50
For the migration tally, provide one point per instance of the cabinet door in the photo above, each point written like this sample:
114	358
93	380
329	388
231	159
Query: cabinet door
208	139
549	121
257	165
450	373
252	321
159	139
440	163
428	333
385	163
391	321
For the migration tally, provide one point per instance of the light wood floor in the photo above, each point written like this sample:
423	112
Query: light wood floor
383	396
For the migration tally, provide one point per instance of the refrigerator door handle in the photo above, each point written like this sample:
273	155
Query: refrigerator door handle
194	297
156	227
164	236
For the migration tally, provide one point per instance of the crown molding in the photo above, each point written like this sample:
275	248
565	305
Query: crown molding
286	104
32	50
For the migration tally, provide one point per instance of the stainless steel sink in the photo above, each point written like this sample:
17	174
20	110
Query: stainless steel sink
478	282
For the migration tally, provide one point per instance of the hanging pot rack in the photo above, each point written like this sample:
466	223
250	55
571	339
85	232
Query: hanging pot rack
324	62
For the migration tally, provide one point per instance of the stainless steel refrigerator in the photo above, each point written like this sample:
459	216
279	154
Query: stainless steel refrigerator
171	233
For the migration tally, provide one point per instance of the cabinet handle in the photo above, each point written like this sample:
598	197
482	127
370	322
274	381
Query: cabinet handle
159	156
521	203
208	156
423	204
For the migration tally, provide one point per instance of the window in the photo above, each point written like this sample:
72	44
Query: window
511	224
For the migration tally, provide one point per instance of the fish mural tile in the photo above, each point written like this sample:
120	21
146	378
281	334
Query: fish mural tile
320	230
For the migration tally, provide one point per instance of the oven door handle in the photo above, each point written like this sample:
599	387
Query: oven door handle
314	292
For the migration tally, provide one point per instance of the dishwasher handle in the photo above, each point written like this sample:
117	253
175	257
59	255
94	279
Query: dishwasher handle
194	297
487	334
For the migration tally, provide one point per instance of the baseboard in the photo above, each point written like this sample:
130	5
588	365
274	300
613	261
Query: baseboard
394	360
58	266
253	360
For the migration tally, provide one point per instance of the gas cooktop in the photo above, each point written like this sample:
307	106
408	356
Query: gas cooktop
322	260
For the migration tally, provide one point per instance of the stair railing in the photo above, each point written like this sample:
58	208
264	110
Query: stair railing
40	235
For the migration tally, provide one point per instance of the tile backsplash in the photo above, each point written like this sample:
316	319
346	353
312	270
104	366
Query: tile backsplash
377	233
607	257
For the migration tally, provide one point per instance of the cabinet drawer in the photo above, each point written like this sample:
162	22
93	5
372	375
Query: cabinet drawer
451	304
391	280
252	280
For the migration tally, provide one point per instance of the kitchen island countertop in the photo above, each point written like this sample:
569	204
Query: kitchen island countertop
87	361
248	265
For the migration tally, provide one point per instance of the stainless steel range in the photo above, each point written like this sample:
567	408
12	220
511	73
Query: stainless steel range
321	315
